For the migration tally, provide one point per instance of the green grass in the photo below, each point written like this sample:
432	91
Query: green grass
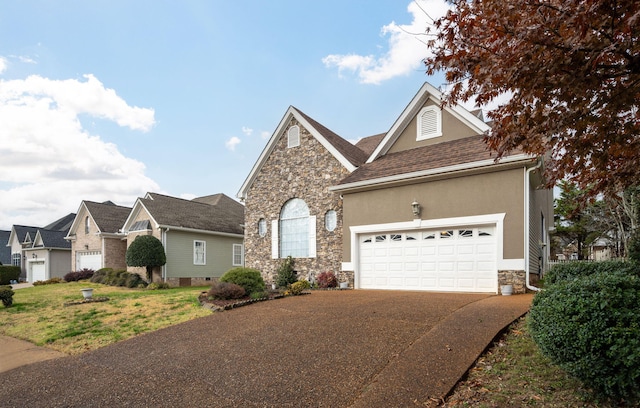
514	373
39	314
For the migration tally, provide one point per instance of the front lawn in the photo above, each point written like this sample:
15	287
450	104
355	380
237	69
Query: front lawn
39	314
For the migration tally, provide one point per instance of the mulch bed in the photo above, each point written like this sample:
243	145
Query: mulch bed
90	300
220	305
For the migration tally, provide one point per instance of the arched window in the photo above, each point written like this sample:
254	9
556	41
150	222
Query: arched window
294	229
293	136
262	227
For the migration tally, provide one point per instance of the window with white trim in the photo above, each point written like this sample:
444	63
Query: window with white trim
86	224
429	122
294	229
16	259
238	255
262	227
293	136
199	252
330	220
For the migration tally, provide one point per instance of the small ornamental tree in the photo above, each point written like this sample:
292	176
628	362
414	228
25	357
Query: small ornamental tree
147	251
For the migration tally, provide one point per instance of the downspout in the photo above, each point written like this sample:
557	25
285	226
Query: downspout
527	222
164	244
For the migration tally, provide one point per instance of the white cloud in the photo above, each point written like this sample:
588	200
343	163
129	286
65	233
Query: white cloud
406	45
232	143
247	131
50	163
3	65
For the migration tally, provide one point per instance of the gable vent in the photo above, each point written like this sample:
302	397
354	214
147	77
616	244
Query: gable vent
429	123
293	136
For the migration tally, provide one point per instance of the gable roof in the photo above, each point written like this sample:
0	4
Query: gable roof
346	153
46	238
22	233
369	144
109	218
63	224
426	92
460	154
172	212
224	202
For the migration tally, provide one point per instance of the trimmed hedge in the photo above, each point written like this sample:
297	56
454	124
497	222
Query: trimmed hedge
9	273
226	290
79	275
108	276
590	326
572	270
250	279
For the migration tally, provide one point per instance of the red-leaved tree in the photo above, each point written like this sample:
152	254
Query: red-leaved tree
572	68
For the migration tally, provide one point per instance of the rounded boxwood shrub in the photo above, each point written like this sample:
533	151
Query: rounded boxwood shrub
590	327
6	295
298	287
250	279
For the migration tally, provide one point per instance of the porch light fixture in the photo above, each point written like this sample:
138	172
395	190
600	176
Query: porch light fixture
415	207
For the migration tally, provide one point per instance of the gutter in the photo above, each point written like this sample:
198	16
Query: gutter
527	255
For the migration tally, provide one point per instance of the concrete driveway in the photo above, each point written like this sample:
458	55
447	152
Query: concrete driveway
331	349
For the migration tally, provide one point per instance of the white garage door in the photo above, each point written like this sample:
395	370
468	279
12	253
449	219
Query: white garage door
451	259
38	271
89	260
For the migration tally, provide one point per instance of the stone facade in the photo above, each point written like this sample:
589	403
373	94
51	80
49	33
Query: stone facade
515	278
305	172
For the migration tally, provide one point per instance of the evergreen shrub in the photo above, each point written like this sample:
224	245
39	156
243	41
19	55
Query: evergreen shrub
250	279
590	327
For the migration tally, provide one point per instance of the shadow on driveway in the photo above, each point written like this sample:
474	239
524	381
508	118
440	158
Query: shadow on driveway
335	348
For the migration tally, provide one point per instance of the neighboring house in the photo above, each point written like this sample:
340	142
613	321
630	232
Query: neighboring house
424	206
96	237
39	252
5	250
203	238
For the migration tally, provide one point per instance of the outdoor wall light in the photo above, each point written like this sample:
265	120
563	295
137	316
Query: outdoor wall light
415	207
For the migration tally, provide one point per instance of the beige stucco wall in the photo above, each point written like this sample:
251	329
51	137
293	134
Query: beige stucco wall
306	172
489	193
452	129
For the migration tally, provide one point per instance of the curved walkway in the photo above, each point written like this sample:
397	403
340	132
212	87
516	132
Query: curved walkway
338	348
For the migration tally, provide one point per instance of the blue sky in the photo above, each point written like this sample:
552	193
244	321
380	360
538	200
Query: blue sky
106	100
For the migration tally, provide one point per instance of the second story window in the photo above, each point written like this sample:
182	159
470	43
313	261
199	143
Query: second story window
86	224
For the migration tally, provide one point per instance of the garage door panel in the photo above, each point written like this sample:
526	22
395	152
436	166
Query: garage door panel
447	259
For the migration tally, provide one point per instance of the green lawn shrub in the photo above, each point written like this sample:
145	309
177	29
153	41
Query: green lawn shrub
79	275
298	287
590	327
327	280
6	295
633	250
9	273
111	277
226	290
572	270
158	286
51	281
286	274
250	279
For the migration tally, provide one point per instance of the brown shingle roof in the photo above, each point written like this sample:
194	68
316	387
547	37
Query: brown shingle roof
108	216
348	150
467	150
369	144
176	212
223	201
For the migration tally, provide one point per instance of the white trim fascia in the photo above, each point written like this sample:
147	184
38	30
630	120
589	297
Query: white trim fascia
76	220
268	149
138	206
491	219
426	92
432	172
199	231
347	266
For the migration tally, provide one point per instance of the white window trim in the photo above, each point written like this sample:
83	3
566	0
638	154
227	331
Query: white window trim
204	252
275	239
438	132
233	255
